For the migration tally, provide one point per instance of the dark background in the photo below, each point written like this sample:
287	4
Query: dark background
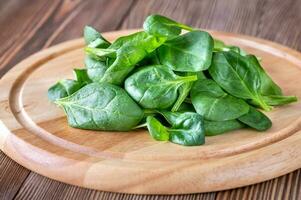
27	26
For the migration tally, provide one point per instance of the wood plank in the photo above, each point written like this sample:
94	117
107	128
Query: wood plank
12	176
284	187
232	15
275	20
21	20
280	22
37	187
67	23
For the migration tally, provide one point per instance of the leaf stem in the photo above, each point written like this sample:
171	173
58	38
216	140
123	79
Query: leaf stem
140	126
185	27
188	78
263	104
149	111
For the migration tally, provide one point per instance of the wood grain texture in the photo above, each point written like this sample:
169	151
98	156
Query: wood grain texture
249	17
11	177
42	141
61	22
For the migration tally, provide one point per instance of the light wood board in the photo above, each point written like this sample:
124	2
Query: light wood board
34	132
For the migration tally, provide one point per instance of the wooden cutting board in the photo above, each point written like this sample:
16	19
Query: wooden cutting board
34	133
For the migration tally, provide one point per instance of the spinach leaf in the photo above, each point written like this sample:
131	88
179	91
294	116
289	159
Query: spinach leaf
62	89
186	128
277	100
268	86
82	76
190	52
218	127
66	87
186	107
156	129
101	106
235	75
256	119
183	93
100	54
94	39
150	59
129	51
95	68
210	101
155	87
221	46
162	26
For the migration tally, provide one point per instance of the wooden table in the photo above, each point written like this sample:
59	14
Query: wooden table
28	26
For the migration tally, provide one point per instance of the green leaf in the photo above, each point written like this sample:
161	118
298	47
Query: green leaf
100	54
186	107
101	106
256	119
130	50
163	27
235	75
95	68
184	91
268	86
156	129
62	89
276	100
190	52
66	87
210	101
218	127
221	46
82	76
186	128
155	87
94	39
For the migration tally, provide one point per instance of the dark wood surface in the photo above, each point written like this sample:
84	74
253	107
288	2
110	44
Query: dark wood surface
30	25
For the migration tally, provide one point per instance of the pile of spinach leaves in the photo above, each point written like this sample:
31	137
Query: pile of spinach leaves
181	87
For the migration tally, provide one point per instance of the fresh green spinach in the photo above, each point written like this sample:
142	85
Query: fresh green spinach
101	106
210	101
161	26
256	119
63	88
82	77
268	86
155	87
66	87
221	46
94	39
276	100
95	68
218	127
100	54
190	52
156	129
180	86
235	75
186	128
129	51
183	91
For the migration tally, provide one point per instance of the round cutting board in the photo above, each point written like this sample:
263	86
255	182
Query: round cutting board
34	132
